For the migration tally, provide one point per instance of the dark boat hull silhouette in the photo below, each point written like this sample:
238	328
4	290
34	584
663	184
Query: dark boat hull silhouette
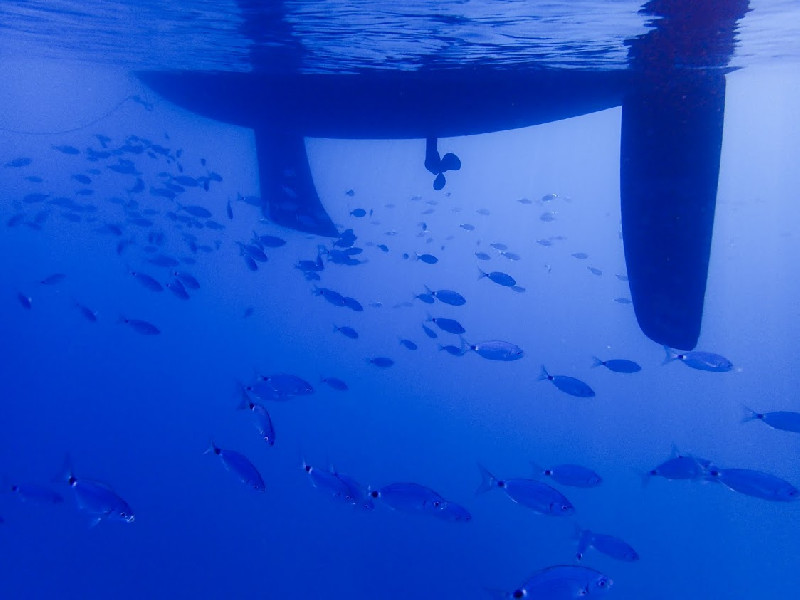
672	97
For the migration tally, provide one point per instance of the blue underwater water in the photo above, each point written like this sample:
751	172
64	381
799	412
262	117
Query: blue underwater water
117	377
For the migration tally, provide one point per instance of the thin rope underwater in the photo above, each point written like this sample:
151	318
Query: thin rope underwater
134	98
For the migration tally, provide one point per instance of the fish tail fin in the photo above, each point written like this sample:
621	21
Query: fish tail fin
750	414
66	473
429	290
584	537
644	477
212	447
465	345
488	481
244	398
543	374
596	362
670	355
482	274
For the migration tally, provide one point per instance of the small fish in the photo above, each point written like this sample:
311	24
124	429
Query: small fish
358	212
147	281
185	180
454	350
22	161
229	209
595	271
429	259
197	211
88	313
353	304
346	331
426	297
97	498
572	475
186	279
15	220
381	361
331	296
429	332
702	361
580	255
35	493
547	217
499	246
139	326
53	279
239	464
497	350
525	201
382	247
622	300
607	544
25	300
482	256
467	227
448	325
510	255
176	287
562	582
410	498
545	243
81	178
453	512
331	484
618	365
335	383
263	422
755	483
782	419
679	466
408	344
531	493
549	197
499	278
270	241
448	297
67	149
622	277
357	491
350	193
570	385
483	211
284	385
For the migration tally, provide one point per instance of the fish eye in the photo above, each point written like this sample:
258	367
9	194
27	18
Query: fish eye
565	507
518	594
603	582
